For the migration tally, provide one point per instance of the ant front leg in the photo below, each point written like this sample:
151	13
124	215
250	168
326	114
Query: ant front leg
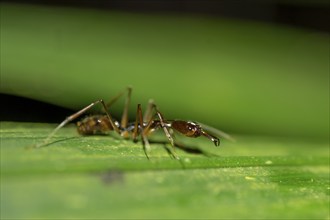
147	127
165	127
76	115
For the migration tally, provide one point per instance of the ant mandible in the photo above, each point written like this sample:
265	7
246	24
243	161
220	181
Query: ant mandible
143	125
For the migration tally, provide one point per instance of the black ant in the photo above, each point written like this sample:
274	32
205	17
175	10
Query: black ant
143	125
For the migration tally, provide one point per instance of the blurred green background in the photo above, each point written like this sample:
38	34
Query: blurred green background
240	76
216	62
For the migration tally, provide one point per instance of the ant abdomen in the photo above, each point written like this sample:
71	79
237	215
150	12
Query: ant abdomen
187	128
96	124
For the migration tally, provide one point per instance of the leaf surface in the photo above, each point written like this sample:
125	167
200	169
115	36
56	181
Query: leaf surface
107	177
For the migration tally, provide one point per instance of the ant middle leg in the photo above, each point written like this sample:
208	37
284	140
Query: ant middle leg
139	129
124	118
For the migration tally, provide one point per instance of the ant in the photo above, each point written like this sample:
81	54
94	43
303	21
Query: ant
143	125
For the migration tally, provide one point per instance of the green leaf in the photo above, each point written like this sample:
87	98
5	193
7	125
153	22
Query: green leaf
108	177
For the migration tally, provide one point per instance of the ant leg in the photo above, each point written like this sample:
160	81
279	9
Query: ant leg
164	126
114	99
167	133
124	119
148	113
216	132
146	145
74	116
139	121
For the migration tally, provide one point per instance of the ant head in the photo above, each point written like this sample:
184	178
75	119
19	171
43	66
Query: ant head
192	129
187	128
